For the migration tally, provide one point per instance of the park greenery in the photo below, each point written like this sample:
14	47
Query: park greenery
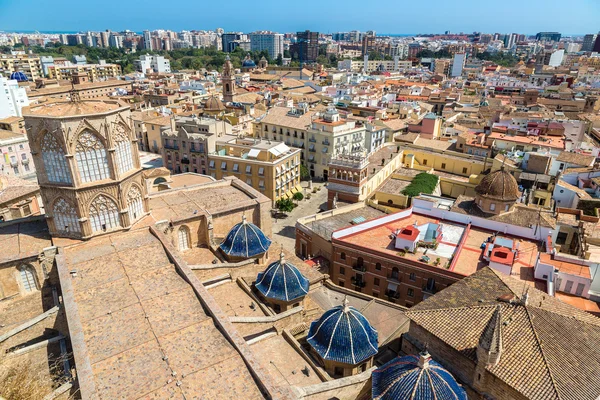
423	183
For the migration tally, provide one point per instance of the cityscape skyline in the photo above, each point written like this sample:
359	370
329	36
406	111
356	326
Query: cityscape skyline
449	17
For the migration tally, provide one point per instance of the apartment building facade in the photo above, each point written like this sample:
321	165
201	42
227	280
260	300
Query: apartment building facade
320	136
270	41
189	140
30	66
12	98
95	72
270	167
16	155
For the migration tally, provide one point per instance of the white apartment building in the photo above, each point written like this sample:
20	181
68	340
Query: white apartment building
157	64
374	65
12	98
270	41
458	63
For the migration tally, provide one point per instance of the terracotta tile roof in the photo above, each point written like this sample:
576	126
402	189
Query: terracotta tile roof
279	116
12	188
576	158
549	348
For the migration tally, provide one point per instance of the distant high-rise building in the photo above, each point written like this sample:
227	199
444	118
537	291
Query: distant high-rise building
548	37
228	38
308	46
104	38
588	42
596	48
147	40
368	44
270	41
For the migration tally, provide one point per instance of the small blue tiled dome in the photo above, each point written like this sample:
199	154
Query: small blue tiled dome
245	240
18	76
415	378
248	63
282	281
343	335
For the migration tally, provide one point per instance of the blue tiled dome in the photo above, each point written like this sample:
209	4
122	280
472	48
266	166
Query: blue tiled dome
18	76
415	378
344	335
248	63
282	281
245	240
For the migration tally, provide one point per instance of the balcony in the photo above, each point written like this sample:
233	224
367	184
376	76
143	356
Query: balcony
312	140
25	161
359	268
429	289
195	150
14	164
325	142
393	294
171	146
358	282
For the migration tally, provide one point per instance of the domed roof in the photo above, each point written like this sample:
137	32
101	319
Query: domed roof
344	335
499	185
245	240
416	378
248	62
18	76
213	103
282	281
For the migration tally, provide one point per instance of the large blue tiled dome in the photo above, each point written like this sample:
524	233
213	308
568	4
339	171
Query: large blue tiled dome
18	76
245	240
282	281
344	335
415	378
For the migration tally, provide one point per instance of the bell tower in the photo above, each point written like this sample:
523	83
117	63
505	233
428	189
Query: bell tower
228	81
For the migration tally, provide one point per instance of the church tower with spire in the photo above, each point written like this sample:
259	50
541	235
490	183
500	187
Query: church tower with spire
228	80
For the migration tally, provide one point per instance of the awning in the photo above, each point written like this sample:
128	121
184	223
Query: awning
254	153
392	286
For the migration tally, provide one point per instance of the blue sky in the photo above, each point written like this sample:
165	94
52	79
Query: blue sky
399	16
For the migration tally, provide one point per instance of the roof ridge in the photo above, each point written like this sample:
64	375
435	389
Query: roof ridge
493	305
539	343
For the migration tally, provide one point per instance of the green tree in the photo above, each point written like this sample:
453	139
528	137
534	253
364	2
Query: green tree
304	174
279	60
298	196
285	205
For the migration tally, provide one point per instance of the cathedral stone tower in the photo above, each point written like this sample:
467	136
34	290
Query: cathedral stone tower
88	166
228	80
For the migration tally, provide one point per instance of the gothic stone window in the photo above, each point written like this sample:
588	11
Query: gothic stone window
54	160
65	217
123	147
28	281
183	237
134	204
104	214
91	158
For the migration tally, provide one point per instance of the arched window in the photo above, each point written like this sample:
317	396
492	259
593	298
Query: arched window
91	158
183	237
395	273
65	217
27	274
134	203
104	214
360	262
123	150
55	162
159	180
